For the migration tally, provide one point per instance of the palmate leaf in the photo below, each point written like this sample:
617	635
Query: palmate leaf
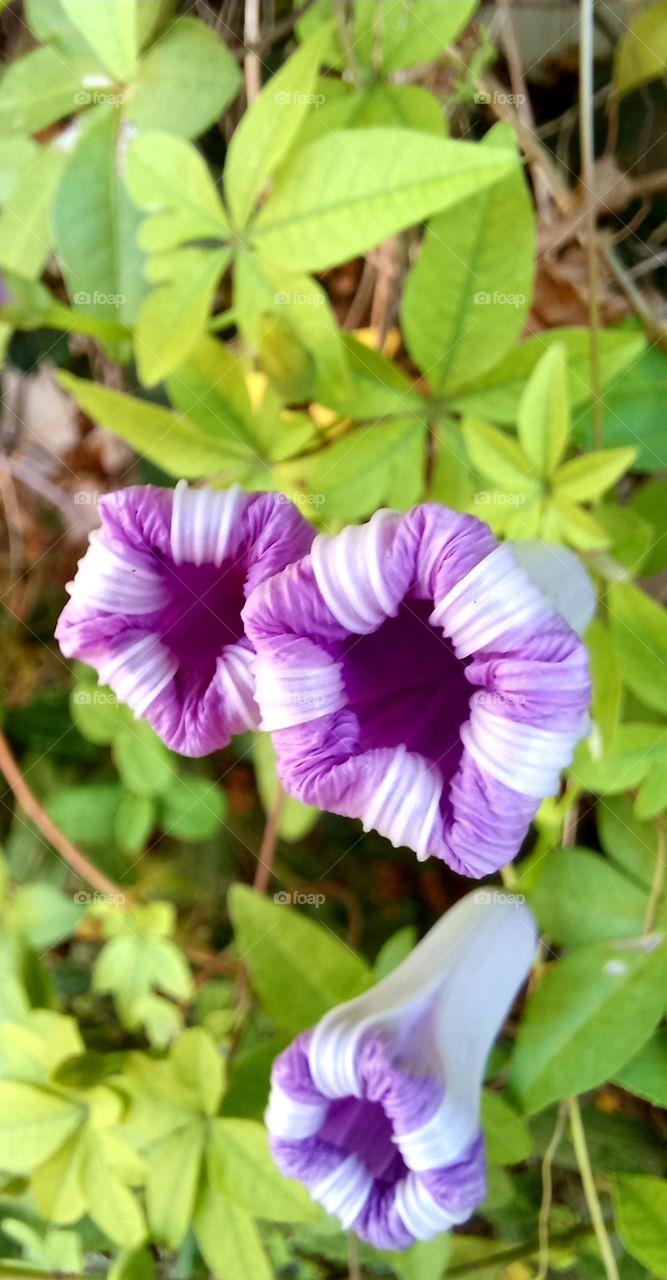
640	1209
241	1167
345	193
228	1238
184	82
639	628
543	421
112	31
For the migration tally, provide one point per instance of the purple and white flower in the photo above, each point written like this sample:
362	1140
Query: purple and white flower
377	1110
156	604
413	676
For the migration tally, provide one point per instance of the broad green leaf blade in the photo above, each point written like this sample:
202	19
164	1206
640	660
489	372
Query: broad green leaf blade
640	1209
273	938
586	478
33	1124
633	410
143	762
651	799
269	128
639	627
169	439
634	748
581	898
40	88
507	1138
178	213
57	1184
111	1204
95	228
544	412
642	52
466	298
498	457
241	1167
111	30
25	233
198	1064
211	388
362	470
400	34
134	822
86	813
605	669
379	389
344	194
630	843
192	809
228	1239
592	1011
646	1073
42	914
498	394
185	81
172	1184
174	316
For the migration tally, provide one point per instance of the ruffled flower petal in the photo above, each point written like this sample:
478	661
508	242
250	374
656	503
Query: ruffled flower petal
415	677
377	1110
156	604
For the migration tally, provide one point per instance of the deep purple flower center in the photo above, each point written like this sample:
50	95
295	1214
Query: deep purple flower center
407	686
202	616
361	1128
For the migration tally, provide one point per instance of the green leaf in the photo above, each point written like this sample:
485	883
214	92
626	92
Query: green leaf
111	1204
40	88
650	501
177	213
466	298
395	35
25	232
646	1073
592	1011
86	813
633	410
630	538
131	964
347	192
43	915
544	413
145	765
57	1185
629	842
111	31
133	1264
651	799
171	440
33	1124
192	809
378	387
210	388
134	822
396	949
640	1209
424	1260
94	227
296	819
507	1138
498	457
241	1167
269	128
498	394
97	713
172	1183
639	628
586	478
634	748
605	671
577	527
174	316
273	939
198	1065
185	81
228	1239
581	898
641	54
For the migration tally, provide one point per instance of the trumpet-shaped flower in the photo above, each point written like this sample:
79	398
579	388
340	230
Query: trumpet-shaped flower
156	604
413	676
377	1110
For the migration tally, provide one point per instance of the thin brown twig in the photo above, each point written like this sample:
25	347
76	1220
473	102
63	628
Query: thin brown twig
267	849
62	845
586	122
252	66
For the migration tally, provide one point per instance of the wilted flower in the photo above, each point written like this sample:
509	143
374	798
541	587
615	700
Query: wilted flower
413	676
377	1110
156	604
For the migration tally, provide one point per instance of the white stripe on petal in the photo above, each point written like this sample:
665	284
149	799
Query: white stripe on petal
114	582
405	804
419	1213
204	524
139	670
293	694
344	1192
526	759
350	572
287	1118
234	673
496	595
559	574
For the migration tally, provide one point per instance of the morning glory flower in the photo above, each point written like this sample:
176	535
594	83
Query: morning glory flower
413	676
377	1110
156	604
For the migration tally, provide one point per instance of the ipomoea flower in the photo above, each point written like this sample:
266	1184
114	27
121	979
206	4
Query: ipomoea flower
413	676
377	1110
156	604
